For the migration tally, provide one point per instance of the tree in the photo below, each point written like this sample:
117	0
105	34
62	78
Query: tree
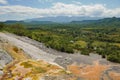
2	26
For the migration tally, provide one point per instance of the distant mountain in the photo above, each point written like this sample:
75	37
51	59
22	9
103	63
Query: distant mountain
13	21
84	22
40	22
99	21
62	19
112	22
108	20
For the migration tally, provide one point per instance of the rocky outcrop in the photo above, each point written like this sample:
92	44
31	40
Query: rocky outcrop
33	61
29	49
5	58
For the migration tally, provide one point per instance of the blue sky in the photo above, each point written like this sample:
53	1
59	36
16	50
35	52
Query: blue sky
48	3
26	9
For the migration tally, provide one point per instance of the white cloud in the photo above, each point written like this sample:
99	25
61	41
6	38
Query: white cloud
3	2
96	10
78	10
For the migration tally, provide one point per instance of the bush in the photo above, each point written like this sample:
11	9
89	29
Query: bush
114	58
85	51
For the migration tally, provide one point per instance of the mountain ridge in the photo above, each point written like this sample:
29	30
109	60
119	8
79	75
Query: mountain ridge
62	19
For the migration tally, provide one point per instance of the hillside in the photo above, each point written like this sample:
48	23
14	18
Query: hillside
106	22
69	51
51	64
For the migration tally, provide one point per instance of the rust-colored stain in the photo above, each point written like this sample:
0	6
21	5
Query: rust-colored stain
15	52
20	69
114	75
88	72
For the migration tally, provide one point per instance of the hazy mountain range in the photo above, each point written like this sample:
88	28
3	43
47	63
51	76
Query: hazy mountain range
65	19
62	19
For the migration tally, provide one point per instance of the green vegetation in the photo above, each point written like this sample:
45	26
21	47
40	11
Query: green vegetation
39	70
102	36
26	64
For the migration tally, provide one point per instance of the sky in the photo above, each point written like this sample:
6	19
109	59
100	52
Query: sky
27	9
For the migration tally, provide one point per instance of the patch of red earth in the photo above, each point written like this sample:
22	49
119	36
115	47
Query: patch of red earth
114	75
20	70
0	77
88	72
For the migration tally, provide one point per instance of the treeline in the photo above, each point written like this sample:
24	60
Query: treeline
16	28
73	39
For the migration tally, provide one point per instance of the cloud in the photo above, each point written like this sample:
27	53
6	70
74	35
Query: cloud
58	9
3	2
78	10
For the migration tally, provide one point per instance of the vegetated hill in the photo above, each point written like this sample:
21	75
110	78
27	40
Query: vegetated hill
109	22
13	21
106	22
83	22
